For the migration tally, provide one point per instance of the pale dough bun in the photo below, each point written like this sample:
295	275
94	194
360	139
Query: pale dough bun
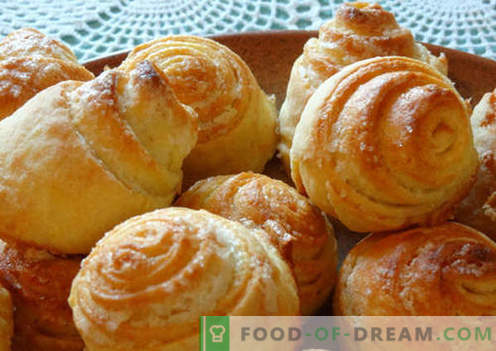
358	31
478	210
449	270
237	120
31	62
147	282
384	144
299	230
79	158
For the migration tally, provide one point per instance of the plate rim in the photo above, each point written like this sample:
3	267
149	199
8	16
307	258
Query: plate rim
285	33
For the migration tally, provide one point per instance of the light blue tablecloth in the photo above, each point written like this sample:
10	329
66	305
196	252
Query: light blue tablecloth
99	27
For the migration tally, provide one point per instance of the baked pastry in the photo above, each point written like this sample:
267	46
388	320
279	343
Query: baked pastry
449	270
237	120
478	210
31	62
299	230
6	320
384	144
29	42
39	284
358	31
147	282
79	158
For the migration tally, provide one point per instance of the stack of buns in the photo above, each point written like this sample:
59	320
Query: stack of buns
80	157
372	133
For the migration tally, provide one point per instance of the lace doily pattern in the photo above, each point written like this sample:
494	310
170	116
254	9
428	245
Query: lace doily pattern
94	28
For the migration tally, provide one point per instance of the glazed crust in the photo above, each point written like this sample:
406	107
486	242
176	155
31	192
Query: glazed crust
237	120
358	31
478	209
39	283
384	144
30	42
80	158
298	229
31	62
147	282
447	270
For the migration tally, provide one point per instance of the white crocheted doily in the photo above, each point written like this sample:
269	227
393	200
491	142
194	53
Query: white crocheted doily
99	27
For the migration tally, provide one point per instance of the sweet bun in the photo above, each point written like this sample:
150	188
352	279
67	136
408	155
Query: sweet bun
384	144
79	158
31	43
449	270
6	320
299	230
358	31
39	284
147	282
237	120
478	209
31	62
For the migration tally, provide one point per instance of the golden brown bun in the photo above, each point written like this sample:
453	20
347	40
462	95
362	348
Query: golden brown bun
39	284
30	42
237	120
78	159
478	210
358	31
446	270
384	144
299	230
147	282
31	62
6	320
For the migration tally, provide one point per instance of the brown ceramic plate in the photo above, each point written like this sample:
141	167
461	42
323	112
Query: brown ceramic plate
270	55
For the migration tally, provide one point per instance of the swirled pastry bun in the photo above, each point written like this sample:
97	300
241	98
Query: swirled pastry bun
6	320
31	62
298	229
478	209
384	144
39	284
147	282
358	31
449	270
237	120
79	158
